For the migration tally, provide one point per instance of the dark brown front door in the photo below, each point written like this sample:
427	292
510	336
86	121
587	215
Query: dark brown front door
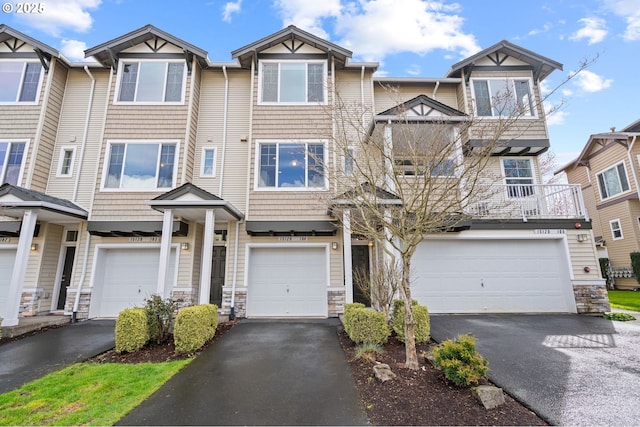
360	268
65	280
217	274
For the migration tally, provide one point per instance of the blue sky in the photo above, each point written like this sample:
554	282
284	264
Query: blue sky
407	37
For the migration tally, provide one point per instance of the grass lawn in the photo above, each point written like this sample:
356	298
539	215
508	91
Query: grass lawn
85	394
626	300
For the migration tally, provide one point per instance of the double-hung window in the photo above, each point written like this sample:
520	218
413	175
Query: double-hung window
147	165
295	165
11	156
151	82
518	175
616	229
503	97
293	82
613	181
19	81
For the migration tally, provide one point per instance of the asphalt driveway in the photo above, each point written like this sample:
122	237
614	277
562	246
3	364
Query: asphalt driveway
261	373
570	369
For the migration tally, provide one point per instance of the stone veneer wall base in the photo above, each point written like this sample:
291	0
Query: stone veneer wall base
591	296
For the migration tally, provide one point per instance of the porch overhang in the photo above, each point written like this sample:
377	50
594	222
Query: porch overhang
291	228
134	228
15	201
10	228
513	147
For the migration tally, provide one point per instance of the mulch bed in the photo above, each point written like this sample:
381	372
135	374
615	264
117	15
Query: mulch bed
424	397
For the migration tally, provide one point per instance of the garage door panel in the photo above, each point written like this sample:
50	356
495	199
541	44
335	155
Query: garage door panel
7	261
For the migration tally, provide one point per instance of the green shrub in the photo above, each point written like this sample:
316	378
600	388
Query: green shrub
366	326
161	314
422	329
621	317
460	361
368	351
348	307
132	330
635	264
194	327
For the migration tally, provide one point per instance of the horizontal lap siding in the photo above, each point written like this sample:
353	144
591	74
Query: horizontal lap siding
619	250
49	266
389	95
607	158
192	126
582	255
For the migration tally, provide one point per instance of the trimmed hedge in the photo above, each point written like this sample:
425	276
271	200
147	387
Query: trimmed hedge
132	330
194	327
422	329
364	325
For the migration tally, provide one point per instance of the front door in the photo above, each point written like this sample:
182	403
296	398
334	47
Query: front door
217	274
65	280
360	268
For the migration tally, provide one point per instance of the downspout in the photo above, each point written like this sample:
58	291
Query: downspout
362	94
224	128
435	89
85	133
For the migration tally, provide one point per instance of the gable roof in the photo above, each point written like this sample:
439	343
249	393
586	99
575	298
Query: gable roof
542	66
245	54
44	51
107	53
18	199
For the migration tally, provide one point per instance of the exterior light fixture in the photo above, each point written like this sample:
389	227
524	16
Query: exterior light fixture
184	246
34	247
334	246
583	237
370	244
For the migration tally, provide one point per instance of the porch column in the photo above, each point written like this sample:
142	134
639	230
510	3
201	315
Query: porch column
165	253
207	257
20	268
388	156
346	253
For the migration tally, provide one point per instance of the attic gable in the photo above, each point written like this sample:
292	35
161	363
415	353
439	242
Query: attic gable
13	42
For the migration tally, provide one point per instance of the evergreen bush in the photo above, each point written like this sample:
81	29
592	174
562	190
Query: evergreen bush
422	329
132	330
160	315
460	361
366	326
194	327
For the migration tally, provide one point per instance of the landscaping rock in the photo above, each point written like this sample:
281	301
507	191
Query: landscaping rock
383	372
490	396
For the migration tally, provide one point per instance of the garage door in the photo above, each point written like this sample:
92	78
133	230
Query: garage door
125	278
287	282
7	259
491	276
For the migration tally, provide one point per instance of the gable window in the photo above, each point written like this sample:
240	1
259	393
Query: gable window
66	161
11	156
140	165
613	181
292	82
503	97
518	175
152	82
208	167
20	81
616	229
291	165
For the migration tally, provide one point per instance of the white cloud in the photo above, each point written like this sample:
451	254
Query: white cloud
589	81
557	117
414	70
377	28
231	8
629	10
545	28
594	30
60	15
74	50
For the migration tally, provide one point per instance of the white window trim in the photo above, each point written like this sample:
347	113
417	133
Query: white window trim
121	65
299	61
256	179
105	165
215	160
613	236
615	166
59	173
504	175
38	91
534	114
24	159
351	150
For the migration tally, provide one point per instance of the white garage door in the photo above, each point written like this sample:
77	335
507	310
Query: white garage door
287	282
7	259
491	276
124	278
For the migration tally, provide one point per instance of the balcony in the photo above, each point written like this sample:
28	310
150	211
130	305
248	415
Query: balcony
518	201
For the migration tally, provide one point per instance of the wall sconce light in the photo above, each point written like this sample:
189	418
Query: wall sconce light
583	237
334	246
34	247
370	244
184	246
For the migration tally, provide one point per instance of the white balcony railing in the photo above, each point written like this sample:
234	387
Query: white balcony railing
510	201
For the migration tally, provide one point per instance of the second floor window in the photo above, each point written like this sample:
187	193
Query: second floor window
518	175
20	81
140	166
11	156
291	165
613	181
151	82
503	97
292	82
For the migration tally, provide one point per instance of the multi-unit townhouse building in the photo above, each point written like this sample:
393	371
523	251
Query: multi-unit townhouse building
157	171
607	172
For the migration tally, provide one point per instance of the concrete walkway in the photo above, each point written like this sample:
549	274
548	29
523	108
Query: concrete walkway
261	373
570	369
33	357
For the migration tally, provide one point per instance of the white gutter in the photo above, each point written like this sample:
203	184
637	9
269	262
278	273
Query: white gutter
224	128
435	89
85	134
